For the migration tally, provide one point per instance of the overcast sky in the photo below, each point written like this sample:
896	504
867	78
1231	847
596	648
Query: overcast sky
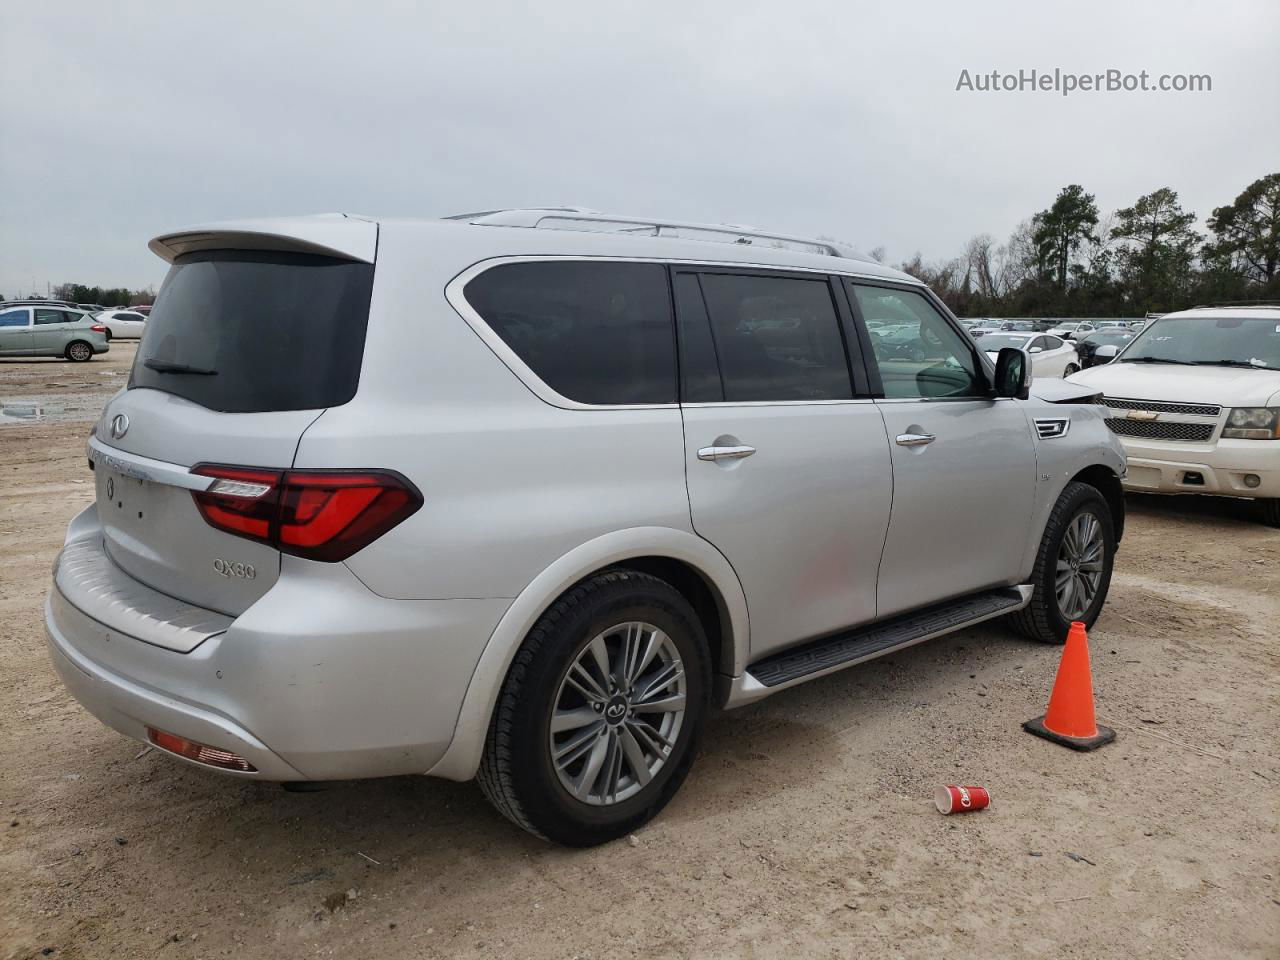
122	120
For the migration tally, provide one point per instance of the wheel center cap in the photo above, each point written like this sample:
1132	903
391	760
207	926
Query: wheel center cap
615	711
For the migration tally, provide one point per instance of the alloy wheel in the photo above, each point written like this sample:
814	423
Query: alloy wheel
618	713
1078	575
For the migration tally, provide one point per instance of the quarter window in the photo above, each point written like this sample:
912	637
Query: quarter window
777	338
594	331
919	355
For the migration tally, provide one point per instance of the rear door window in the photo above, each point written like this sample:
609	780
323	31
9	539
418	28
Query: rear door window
51	316
250	331
595	332
776	338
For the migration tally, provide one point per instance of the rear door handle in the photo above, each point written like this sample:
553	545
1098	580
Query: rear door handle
725	453
915	439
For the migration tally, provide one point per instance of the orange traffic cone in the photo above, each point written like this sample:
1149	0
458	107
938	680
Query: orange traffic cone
1069	719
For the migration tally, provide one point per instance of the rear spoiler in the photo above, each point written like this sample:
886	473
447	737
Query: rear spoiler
330	234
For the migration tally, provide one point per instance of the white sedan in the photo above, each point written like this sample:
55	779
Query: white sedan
124	324
1050	356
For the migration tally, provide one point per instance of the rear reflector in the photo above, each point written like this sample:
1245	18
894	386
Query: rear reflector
199	752
319	514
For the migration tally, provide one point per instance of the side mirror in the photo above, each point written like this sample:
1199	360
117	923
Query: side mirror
1106	354
1013	374
1036	350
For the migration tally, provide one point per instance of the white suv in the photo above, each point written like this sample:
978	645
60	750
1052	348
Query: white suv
525	493
1195	397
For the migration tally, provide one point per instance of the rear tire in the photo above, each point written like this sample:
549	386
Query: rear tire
78	351
1044	618
531	770
1270	510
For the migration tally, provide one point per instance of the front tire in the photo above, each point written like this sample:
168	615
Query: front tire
599	717
78	351
1070	369
1073	566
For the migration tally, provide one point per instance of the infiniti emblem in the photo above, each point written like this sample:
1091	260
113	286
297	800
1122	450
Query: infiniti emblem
615	710
119	425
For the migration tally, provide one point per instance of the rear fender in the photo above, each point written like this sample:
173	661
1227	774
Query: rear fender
462	758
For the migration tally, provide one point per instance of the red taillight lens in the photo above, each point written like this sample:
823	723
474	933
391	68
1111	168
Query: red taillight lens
199	752
98	328
320	515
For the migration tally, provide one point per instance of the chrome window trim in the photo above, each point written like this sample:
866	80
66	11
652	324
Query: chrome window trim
979	399
453	292
712	404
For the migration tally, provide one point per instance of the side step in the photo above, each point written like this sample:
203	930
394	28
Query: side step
865	643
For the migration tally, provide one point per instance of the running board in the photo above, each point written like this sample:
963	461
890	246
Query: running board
842	650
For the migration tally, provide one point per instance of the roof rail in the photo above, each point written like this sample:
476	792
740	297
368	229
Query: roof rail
582	218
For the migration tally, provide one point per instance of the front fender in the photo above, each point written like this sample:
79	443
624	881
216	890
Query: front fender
462	758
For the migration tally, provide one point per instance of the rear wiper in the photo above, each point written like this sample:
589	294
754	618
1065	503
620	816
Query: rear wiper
1247	364
1185	363
164	366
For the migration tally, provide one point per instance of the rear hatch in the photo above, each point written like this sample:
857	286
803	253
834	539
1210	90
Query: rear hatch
244	349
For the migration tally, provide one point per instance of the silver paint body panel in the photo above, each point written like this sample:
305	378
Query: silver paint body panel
391	661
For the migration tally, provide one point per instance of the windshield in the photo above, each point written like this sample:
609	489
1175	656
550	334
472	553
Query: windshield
1108	339
1229	340
993	342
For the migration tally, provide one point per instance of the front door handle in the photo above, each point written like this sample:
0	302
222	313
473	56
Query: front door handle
915	439
725	453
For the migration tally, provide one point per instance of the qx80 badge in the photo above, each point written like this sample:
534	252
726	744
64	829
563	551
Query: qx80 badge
228	568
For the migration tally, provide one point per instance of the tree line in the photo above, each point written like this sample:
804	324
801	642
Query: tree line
1072	261
107	296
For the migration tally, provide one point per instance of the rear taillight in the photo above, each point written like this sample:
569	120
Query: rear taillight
318	514
98	328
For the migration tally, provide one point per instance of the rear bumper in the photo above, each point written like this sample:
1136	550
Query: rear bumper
320	679
1156	467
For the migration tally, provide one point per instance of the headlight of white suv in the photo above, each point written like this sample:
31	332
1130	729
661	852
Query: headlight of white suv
1253	423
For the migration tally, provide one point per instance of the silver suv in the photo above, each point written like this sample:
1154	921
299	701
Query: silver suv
523	494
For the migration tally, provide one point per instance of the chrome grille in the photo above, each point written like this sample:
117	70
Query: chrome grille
1161	406
1161	429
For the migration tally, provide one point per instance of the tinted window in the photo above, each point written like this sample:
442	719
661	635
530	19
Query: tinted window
593	331
52	316
281	331
777	338
134	317
13	318
1051	343
922	356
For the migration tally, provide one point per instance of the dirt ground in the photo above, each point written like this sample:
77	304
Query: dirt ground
806	828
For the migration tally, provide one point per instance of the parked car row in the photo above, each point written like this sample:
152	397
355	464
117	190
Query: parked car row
1066	329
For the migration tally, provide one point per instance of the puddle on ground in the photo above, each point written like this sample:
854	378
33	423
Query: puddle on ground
47	409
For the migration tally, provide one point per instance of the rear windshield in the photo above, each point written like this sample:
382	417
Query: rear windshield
249	331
